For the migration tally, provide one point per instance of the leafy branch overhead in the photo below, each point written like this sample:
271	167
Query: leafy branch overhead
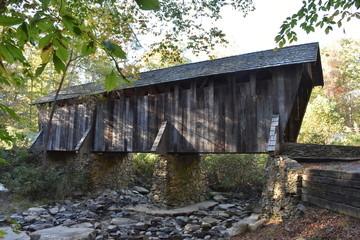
318	13
56	29
95	27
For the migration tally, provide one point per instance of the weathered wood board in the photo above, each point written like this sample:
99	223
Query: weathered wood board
224	114
228	113
332	189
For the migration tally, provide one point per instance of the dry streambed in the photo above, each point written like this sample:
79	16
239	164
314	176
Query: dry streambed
125	215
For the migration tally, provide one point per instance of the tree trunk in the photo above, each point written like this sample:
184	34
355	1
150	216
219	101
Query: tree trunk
48	127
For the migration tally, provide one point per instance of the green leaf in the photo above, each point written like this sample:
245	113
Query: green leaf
9	111
4	71
45	24
2	234
45	41
88	49
45	4
39	70
113	49
16	52
278	38
62	53
3	80
71	24
46	55
10	21
4	51
17	225
23	33
111	81
59	65
5	162
148	4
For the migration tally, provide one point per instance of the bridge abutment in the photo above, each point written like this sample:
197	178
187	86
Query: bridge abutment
178	180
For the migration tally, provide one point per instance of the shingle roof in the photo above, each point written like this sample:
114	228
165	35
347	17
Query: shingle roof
304	53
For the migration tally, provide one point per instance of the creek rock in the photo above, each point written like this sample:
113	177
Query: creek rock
122	215
141	190
10	235
64	233
238	229
122	221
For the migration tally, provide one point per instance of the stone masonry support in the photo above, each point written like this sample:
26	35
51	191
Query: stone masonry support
98	170
282	190
178	180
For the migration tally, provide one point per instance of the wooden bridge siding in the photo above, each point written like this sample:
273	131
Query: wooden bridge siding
298	110
264	91
223	116
216	118
68	126
288	79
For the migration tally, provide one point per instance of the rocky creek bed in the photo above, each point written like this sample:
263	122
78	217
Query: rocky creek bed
126	214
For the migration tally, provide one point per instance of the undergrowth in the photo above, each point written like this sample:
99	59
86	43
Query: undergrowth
236	172
24	179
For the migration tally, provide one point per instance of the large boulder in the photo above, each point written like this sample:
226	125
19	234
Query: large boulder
10	235
64	233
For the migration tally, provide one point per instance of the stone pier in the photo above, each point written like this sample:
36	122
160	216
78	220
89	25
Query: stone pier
96	170
282	191
178	180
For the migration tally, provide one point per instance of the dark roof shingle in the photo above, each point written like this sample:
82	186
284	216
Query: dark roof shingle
304	53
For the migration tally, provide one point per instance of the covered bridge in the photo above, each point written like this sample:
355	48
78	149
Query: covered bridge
240	104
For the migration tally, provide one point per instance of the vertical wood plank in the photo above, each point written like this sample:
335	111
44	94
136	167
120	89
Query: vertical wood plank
70	138
193	115
280	79
153	120
145	123
138	140
235	113
121	123
244	89
56	130
108	117
130	123
210	117
177	118
229	118
65	128
187	119
116	134
99	130
218	132
263	114
253	116
200	122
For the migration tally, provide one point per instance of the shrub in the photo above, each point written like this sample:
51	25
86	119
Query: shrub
24	177
235	172
144	165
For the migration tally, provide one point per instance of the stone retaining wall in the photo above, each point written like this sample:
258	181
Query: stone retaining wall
297	150
335	190
282	190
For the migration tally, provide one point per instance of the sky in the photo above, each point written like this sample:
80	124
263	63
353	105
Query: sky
257	30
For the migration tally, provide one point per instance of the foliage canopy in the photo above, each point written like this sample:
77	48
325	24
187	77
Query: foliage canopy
318	13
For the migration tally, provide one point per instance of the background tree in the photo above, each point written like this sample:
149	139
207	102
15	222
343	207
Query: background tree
341	64
163	58
321	121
